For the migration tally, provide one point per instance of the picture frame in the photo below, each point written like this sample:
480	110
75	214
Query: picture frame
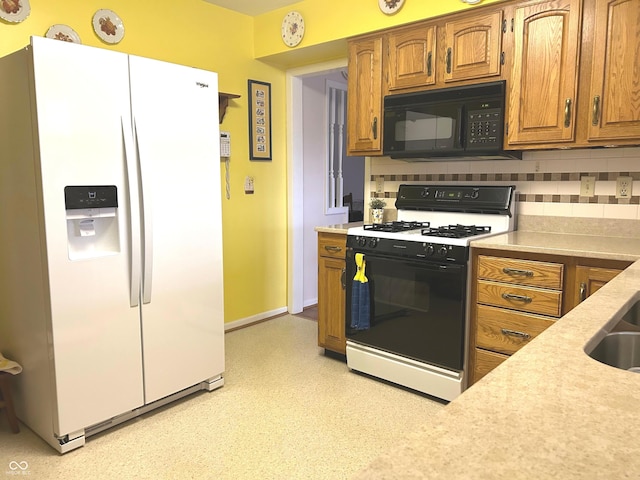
259	120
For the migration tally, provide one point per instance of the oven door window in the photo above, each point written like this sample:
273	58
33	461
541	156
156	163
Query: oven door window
417	310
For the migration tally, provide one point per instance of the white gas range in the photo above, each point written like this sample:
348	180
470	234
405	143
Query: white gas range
412	327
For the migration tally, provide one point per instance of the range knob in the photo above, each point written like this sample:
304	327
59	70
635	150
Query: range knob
362	241
373	242
429	250
442	251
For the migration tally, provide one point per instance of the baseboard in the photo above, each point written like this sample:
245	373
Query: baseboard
243	322
310	303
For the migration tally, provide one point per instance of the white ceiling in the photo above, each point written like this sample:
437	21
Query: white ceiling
252	7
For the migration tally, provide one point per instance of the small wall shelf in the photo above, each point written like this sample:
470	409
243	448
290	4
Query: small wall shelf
223	102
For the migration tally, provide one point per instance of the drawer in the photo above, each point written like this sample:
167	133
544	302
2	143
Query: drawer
332	245
485	362
522	272
525	299
506	331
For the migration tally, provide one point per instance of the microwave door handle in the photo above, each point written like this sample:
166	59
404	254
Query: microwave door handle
459	129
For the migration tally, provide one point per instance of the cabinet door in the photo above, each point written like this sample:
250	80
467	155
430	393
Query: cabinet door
364	127
331	304
473	47
590	279
412	57
545	72
615	89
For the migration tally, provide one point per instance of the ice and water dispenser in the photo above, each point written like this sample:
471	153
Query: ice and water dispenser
92	221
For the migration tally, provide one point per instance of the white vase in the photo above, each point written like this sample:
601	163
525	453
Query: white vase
377	215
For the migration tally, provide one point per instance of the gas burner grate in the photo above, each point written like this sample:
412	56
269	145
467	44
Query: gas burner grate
396	226
455	231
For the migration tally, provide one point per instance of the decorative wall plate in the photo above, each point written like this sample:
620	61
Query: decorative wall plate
390	6
292	29
108	26
63	32
14	11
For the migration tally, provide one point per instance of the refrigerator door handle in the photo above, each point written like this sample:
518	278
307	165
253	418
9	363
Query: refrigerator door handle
147	222
134	214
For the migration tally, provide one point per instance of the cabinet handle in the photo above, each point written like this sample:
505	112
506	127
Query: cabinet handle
332	248
595	119
514	333
504	26
343	279
583	291
449	60
513	296
515	271
429	59
567	112
374	127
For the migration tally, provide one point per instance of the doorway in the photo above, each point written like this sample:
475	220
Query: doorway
308	120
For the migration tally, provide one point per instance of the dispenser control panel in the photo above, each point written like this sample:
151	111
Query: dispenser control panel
102	196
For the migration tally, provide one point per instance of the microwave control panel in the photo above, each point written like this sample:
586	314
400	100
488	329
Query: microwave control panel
484	128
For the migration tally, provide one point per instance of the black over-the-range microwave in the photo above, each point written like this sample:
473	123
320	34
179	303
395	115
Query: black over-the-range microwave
464	122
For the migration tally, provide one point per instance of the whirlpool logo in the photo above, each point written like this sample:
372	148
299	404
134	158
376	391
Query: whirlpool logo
18	468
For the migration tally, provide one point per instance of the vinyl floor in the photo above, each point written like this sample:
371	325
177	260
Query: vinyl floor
286	411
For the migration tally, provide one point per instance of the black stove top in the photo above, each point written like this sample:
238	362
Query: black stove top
396	226
455	231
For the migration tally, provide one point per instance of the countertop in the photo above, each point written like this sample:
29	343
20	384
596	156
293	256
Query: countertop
338	228
549	411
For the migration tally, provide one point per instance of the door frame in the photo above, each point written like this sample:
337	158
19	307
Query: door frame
295	176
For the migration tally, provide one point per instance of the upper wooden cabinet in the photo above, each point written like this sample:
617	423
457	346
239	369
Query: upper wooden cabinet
473	47
615	82
465	47
411	57
364	110
544	75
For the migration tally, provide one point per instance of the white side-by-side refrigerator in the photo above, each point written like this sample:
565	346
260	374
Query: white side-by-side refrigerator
111	284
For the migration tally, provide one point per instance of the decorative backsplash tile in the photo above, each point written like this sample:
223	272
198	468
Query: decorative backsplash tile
548	182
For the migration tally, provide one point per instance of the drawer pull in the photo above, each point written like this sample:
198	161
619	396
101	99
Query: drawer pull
514	333
332	248
515	271
513	296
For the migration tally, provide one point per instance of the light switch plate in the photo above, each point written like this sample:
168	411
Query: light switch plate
587	186
248	185
379	184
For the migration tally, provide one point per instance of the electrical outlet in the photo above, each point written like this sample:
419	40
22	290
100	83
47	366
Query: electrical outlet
587	186
379	184
624	186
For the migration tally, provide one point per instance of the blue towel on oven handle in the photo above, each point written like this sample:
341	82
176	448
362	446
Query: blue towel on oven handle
360	297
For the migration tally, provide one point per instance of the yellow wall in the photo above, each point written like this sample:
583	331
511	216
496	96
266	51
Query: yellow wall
196	33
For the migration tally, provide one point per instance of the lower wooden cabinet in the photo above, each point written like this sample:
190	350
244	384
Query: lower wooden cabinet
590	279
331	291
515	296
485	362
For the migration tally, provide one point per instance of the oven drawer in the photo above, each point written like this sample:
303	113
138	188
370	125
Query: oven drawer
332	245
525	299
506	331
485	362
522	272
